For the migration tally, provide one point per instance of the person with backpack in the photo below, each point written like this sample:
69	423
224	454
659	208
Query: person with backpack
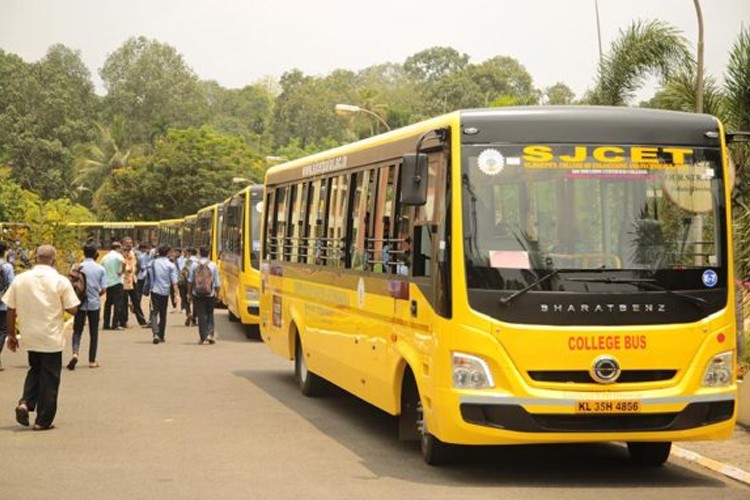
7	275
203	283
93	278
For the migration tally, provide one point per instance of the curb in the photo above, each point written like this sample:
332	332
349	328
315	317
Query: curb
714	465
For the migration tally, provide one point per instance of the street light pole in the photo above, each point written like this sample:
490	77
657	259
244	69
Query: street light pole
348	109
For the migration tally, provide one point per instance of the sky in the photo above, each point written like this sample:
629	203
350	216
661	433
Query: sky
238	42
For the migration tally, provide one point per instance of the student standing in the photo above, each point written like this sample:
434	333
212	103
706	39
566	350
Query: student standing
163	279
144	258
96	286
38	298
203	284
114	265
129	284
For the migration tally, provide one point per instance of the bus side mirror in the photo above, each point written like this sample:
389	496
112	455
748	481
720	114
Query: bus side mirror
414	179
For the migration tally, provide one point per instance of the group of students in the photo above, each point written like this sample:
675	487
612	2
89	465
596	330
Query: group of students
126	275
39	297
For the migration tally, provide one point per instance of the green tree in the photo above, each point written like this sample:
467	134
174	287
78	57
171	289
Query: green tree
14	201
305	108
500	81
558	94
434	64
737	88
47	107
678	94
97	160
188	169
642	49
150	85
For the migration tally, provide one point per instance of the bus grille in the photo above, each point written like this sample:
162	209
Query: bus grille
583	377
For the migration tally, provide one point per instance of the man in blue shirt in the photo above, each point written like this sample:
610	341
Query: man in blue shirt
6	268
96	285
203	282
143	254
163	278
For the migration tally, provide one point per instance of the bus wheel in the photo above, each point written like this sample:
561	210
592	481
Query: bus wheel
411	424
651	454
310	384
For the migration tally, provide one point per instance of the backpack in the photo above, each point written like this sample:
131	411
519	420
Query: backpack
185	272
78	279
203	281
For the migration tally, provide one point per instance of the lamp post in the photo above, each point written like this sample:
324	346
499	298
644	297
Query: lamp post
350	109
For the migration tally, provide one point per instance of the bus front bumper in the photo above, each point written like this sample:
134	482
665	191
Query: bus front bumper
493	419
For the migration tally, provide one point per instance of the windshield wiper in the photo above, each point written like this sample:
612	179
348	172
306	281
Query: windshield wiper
504	301
649	283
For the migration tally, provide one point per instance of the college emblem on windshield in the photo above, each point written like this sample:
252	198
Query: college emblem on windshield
491	161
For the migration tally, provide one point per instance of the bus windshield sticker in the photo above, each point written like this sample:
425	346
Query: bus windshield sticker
510	259
491	161
710	278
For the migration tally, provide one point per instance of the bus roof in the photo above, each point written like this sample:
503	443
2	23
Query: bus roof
589	125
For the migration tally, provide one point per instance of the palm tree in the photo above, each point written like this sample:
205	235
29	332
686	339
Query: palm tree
97	161
643	49
737	91
679	93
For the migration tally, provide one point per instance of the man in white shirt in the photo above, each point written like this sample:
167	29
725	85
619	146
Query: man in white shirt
39	297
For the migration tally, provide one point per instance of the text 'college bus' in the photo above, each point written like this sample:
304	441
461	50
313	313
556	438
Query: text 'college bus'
514	275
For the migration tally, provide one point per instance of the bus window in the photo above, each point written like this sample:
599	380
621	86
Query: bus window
336	219
315	223
282	205
382	222
359	219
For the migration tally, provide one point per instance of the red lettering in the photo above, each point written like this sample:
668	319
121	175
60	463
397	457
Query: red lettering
606	342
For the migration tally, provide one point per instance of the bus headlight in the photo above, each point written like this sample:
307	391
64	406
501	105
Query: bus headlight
471	372
251	294
719	370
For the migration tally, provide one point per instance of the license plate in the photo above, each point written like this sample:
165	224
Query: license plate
608	406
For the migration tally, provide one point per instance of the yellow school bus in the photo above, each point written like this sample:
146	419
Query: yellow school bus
240	255
189	231
170	232
103	234
514	275
207	230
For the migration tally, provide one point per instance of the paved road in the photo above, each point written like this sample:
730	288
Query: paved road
184	421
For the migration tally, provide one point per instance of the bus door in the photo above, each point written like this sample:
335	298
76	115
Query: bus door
428	263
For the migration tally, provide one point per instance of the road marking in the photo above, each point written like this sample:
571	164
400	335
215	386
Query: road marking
714	465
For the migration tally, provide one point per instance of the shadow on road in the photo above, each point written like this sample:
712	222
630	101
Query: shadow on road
372	435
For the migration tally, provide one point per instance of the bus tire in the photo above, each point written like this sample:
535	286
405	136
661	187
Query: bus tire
252	332
412	425
649	454
310	384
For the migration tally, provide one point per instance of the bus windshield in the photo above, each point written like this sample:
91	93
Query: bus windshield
622	210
